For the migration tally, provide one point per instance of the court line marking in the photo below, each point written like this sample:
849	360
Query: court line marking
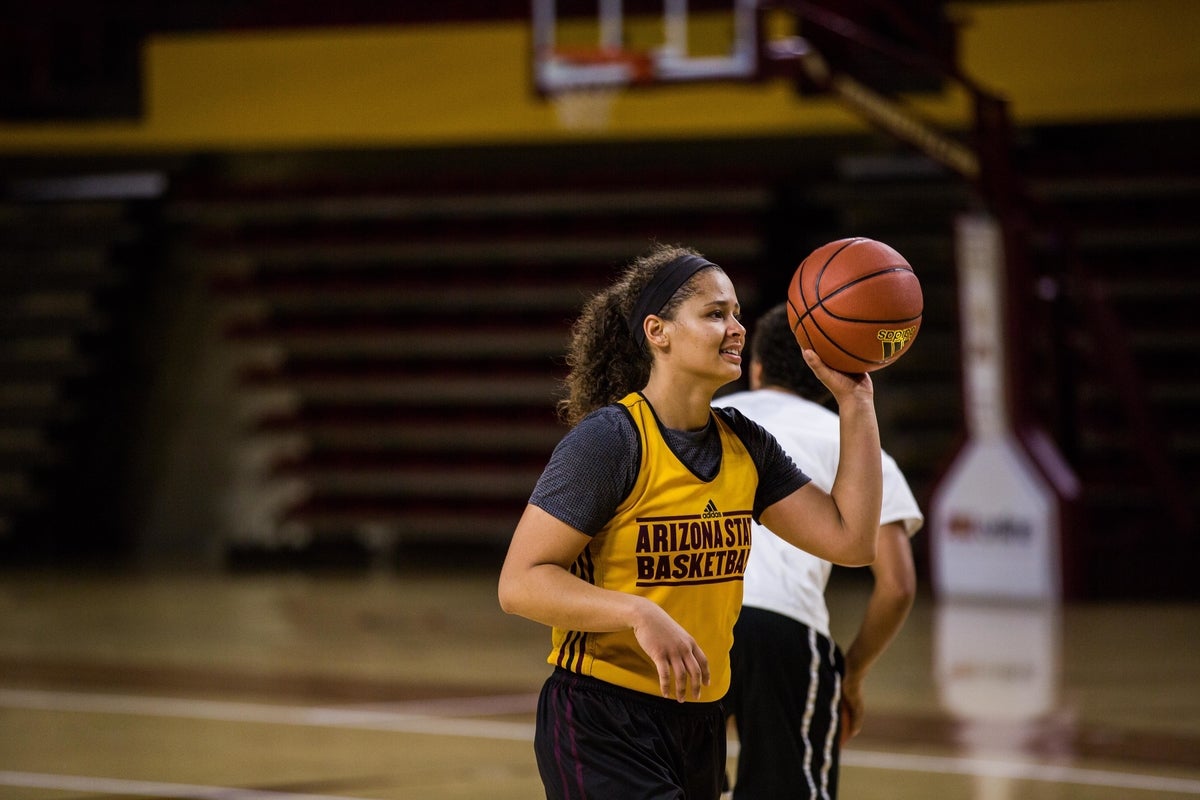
1019	770
403	722
221	710
185	791
459	706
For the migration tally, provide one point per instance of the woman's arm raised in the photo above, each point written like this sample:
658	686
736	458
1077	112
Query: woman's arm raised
840	526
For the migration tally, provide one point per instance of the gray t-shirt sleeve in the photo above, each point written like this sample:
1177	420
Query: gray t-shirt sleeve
590	471
593	469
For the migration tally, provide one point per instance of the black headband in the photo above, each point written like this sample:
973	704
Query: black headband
662	286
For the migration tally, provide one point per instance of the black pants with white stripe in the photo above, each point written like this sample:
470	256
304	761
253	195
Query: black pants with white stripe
784	701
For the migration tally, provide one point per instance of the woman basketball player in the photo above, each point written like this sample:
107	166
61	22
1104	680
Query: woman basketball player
635	538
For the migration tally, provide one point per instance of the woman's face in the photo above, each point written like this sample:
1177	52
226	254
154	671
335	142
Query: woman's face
705	336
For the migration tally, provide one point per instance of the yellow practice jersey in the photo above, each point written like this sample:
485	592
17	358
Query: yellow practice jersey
678	540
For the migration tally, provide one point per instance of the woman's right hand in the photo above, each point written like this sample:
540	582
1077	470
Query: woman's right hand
682	665
842	385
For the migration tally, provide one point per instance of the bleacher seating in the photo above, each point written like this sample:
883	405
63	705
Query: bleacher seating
64	267
393	343
1124	234
413	342
1113	244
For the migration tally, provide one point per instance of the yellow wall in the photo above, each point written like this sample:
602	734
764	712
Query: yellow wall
1056	61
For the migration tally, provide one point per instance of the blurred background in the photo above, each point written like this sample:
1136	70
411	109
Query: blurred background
284	294
290	282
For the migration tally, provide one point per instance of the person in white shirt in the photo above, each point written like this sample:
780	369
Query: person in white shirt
795	700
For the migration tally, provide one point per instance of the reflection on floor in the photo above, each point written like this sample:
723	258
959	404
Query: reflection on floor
380	686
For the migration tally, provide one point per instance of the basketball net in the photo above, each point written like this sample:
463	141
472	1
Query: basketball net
592	79
585	109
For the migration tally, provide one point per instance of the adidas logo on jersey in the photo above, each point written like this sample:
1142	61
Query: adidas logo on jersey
710	511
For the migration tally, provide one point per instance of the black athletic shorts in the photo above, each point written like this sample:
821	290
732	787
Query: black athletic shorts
598	741
784	700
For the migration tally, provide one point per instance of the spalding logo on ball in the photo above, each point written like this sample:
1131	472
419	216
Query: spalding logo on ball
857	303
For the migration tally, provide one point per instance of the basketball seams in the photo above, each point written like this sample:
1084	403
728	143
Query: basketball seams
821	273
816	324
884	271
847	326
822	299
799	279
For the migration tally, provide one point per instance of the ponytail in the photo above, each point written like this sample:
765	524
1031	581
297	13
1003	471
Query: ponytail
607	361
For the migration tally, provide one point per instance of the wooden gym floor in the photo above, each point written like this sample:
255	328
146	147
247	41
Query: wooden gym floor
413	684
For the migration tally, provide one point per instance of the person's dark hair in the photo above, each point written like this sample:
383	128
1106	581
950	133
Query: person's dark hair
605	362
773	345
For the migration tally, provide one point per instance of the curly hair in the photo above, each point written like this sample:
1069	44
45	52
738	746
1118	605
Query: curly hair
605	362
773	345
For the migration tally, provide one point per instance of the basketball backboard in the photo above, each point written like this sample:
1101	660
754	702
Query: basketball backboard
603	44
585	52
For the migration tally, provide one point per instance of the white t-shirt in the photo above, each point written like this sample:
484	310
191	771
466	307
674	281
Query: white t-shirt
783	578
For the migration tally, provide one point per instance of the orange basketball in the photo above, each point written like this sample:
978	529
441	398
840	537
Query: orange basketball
857	303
